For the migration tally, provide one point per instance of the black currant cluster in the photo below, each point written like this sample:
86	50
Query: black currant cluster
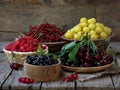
86	58
42	60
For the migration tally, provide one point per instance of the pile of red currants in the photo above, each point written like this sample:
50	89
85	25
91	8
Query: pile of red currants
45	33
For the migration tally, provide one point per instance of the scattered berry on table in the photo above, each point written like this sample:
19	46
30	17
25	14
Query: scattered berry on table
25	80
15	66
70	78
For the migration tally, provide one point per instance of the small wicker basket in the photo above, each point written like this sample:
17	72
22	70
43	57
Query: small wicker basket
42	73
54	46
19	57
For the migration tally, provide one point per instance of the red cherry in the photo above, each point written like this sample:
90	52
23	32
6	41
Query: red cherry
43	47
15	66
25	80
74	76
88	58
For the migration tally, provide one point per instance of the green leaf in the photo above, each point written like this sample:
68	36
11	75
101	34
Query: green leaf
69	45
115	60
108	40
117	53
72	54
27	30
40	34
92	46
63	55
39	50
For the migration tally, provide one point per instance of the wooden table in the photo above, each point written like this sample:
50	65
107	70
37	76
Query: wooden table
109	82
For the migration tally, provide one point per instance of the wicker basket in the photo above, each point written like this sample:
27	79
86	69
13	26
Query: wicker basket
42	73
87	69
100	43
19	57
54	46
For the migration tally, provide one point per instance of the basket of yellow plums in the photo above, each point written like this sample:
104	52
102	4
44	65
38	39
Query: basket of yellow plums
96	31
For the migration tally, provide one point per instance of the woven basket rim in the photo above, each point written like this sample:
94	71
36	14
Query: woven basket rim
54	42
59	62
7	51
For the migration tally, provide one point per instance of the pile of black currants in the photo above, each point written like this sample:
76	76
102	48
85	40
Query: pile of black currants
41	60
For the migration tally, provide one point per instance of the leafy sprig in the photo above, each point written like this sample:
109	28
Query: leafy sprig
69	51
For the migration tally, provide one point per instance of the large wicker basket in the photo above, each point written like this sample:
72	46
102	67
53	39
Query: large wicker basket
42	73
19	57
100	43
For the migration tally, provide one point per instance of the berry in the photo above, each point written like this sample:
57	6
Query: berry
15	66
24	44
45	33
25	80
42	60
70	78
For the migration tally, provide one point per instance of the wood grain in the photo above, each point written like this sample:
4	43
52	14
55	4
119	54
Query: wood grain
58	85
116	79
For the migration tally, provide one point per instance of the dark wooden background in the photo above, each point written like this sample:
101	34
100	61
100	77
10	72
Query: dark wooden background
17	15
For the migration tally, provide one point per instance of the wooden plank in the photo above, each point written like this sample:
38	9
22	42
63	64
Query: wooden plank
4	67
3	44
58	85
17	17
115	46
8	36
107	12
100	83
116	78
13	83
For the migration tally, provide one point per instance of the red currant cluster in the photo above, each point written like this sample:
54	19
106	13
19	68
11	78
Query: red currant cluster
26	80
45	33
24	44
15	66
70	78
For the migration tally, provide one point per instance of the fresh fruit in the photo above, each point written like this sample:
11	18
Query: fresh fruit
103	35
24	44
69	35
84	19
85	29
15	66
83	24
70	78
41	60
25	80
84	54
92	20
90	27
45	33
98	30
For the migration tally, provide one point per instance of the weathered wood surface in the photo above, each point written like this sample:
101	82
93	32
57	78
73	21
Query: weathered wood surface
17	15
116	80
111	82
